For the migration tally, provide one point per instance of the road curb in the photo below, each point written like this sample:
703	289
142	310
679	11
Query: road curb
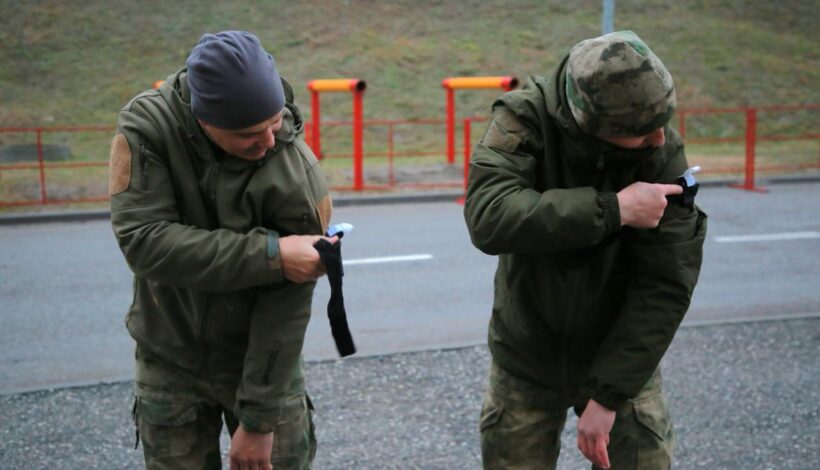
358	200
338	201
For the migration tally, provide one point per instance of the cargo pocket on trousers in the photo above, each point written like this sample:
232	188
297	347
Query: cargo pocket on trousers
655	440
166	428
652	414
490	415
292	436
312	427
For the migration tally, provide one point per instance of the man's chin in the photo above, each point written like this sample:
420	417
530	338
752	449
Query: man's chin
253	155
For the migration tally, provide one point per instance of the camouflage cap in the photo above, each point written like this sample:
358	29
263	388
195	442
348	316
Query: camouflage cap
616	86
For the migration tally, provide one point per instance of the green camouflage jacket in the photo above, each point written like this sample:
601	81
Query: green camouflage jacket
581	304
200	230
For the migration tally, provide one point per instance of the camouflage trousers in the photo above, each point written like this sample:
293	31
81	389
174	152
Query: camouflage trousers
179	419
521	425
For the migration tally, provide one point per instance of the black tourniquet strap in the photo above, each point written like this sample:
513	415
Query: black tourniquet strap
331	255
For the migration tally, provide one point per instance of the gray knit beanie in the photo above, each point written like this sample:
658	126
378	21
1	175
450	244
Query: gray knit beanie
234	83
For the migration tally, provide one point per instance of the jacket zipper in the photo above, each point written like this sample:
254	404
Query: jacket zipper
567	327
213	176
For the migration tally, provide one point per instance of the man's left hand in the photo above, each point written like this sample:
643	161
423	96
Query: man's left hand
251	450
594	426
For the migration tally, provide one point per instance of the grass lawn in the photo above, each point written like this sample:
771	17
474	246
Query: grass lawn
66	62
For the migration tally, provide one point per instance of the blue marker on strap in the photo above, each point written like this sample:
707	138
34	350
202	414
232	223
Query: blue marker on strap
339	229
689	175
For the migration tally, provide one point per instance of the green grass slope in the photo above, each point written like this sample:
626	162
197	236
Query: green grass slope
78	62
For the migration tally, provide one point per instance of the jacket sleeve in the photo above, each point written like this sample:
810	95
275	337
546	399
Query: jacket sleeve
506	213
272	386
146	221
665	263
271	391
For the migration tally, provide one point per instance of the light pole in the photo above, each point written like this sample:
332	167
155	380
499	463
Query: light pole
607	20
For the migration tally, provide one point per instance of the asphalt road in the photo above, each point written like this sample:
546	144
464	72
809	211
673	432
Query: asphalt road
65	288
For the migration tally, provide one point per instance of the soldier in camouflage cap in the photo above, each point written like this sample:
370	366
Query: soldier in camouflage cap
595	269
616	86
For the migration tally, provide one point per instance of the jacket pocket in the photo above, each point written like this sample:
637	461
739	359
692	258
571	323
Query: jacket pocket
167	429
163	316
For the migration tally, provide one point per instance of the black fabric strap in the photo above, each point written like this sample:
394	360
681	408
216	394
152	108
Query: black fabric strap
331	255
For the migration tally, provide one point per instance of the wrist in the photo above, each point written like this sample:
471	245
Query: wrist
607	399
610	205
623	210
255	421
595	406
274	255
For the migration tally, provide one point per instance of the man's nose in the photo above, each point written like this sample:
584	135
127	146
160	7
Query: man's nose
657	138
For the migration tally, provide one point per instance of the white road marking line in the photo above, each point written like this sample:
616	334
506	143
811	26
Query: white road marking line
728	321
768	237
388	259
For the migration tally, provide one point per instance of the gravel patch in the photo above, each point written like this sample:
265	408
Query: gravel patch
742	396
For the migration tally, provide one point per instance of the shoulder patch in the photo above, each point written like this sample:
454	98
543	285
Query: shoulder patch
119	167
325	209
502	133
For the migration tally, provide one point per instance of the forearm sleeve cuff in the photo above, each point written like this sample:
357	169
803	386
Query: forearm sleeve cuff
608	202
274	258
609	399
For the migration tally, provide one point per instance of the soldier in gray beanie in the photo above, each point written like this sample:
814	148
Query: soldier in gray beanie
596	268
217	203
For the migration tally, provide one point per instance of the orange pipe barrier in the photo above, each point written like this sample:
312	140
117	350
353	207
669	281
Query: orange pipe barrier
357	87
461	83
337	84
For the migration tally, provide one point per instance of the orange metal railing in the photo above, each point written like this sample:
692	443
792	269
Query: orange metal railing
391	147
42	166
750	137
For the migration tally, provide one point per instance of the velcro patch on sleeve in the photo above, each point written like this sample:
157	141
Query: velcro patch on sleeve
501	135
119	167
325	209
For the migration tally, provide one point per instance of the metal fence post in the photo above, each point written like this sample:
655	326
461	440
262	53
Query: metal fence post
42	165
467	132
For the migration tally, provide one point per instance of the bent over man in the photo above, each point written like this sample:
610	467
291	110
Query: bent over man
216	202
596	269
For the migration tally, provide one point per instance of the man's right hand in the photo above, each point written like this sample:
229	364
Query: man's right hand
642	204
594	426
300	260
250	450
